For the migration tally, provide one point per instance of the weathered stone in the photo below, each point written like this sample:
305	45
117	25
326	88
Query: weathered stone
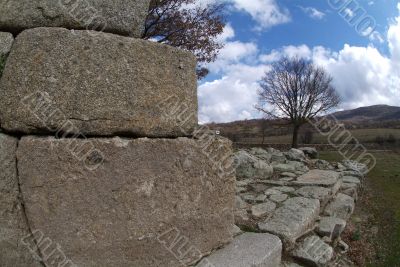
284	189
295	155
353	173
314	251
6	41
352	192
278	197
298	166
316	192
241	189
261	153
258	188
348	186
263	209
249	198
310	152
247	250
295	218
243	183
129	210
318	178
239	203
249	166
121	17
288	174
271	191
261	198
284	168
286	179
58	80
14	251
351	179
235	230
322	164
355	166
331	227
276	156
341	207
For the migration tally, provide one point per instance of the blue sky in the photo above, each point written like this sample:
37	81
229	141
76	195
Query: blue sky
358	43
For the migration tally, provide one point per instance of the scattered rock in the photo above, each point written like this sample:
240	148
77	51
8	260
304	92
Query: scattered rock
272	191
322	164
235	230
276	156
6	41
263	209
296	155
261	198
120	17
261	154
288	174
284	189
250	167
284	168
331	227
295	218
341	207
278	197
318	178
351	179
311	152
239	203
314	251
343	246
286	179
247	250
316	192
355	166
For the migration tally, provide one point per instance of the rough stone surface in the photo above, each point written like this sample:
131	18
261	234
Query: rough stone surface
263	209
278	197
249	166
310	152
261	153
295	155
118	16
321	193
341	207
129	210
247	250
296	217
13	224
6	41
351	179
314	251
331	227
58	80
318	178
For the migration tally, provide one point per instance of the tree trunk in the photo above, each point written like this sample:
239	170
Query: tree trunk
295	143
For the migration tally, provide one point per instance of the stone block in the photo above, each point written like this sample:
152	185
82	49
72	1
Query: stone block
151	202
117	16
58	81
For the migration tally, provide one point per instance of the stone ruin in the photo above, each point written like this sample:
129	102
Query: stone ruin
102	162
303	200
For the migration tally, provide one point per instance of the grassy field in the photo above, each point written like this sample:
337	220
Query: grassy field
362	135
379	208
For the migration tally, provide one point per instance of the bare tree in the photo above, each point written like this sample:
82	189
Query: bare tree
187	24
296	90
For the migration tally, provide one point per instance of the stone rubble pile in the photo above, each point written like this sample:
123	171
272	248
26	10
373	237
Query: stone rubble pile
304	201
81	181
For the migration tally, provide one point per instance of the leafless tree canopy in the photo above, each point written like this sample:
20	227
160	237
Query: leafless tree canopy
187	25
297	90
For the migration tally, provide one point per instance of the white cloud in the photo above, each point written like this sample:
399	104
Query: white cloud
266	12
362	75
227	34
313	12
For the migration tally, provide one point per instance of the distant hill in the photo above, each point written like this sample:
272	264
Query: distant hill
377	113
256	130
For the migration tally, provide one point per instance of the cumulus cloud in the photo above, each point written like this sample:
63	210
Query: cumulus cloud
313	13
266	12
362	75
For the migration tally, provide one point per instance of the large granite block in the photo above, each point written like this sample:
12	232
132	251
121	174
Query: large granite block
152	202
13	224
57	80
117	16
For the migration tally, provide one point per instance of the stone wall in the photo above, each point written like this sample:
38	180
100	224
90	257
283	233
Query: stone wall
102	162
